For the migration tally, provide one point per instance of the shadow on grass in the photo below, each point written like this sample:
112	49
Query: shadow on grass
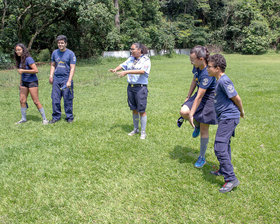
187	155
125	127
34	118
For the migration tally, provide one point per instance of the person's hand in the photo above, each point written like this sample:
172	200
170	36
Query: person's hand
121	74
187	98
20	71
68	84
51	80
191	120
113	70
242	114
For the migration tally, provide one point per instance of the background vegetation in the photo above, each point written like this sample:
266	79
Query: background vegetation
91	171
93	26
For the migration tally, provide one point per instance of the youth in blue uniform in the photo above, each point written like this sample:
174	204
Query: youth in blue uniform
137	68
28	82
63	62
229	109
199	108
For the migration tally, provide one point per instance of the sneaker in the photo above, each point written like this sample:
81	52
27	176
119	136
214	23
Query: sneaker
53	121
45	122
21	121
216	173
143	135
70	121
134	132
196	132
200	162
180	121
228	186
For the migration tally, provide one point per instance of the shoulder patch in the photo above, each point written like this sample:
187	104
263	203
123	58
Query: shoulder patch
205	81
230	88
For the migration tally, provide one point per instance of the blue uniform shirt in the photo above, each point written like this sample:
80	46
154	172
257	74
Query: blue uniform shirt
26	77
62	63
203	80
224	106
143	63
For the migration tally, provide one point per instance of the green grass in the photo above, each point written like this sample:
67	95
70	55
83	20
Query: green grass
91	171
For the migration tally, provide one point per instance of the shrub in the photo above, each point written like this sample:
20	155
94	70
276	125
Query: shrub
44	55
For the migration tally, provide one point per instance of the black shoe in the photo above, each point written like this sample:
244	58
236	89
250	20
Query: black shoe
53	121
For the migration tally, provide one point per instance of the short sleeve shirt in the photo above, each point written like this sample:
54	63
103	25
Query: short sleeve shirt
203	80
27	77
143	63
62	60
224	106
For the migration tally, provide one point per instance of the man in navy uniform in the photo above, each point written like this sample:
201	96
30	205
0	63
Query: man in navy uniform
63	62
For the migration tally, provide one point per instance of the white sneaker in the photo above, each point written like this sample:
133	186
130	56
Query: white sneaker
21	121
143	135
45	122
134	132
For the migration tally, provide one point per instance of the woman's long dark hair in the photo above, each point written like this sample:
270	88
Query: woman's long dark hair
21	60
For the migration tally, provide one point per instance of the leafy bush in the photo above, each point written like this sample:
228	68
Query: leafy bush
44	55
5	60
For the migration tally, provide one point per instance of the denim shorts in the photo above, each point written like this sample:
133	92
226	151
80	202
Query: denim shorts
29	84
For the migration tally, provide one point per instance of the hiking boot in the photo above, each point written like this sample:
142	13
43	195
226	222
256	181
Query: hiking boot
228	186
21	121
180	121
216	173
196	132
200	162
134	132
143	135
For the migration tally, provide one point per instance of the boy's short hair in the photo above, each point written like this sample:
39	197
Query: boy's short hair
61	37
218	60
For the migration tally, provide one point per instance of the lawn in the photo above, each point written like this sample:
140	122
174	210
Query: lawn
91	171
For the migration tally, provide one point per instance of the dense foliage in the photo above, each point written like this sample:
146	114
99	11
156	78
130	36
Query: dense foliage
92	26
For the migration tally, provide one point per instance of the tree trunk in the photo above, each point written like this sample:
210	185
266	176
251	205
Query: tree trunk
4	14
117	16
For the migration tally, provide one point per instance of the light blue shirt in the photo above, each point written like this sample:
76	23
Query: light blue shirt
143	63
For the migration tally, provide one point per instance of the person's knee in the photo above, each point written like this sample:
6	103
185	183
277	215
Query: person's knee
184	112
22	100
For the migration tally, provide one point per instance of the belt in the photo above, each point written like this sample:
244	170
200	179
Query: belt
137	85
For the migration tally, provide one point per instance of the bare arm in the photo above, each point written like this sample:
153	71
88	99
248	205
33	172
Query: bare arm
52	72
71	75
238	102
124	73
33	69
192	88
115	69
201	92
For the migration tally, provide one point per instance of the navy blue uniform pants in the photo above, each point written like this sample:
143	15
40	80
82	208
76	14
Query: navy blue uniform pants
57	94
222	147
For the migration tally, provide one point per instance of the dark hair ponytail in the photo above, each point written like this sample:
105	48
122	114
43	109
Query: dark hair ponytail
144	49
201	52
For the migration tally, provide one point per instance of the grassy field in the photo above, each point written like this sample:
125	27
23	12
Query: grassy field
91	171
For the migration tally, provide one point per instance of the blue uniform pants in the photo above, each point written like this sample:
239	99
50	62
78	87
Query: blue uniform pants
67	94
222	147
